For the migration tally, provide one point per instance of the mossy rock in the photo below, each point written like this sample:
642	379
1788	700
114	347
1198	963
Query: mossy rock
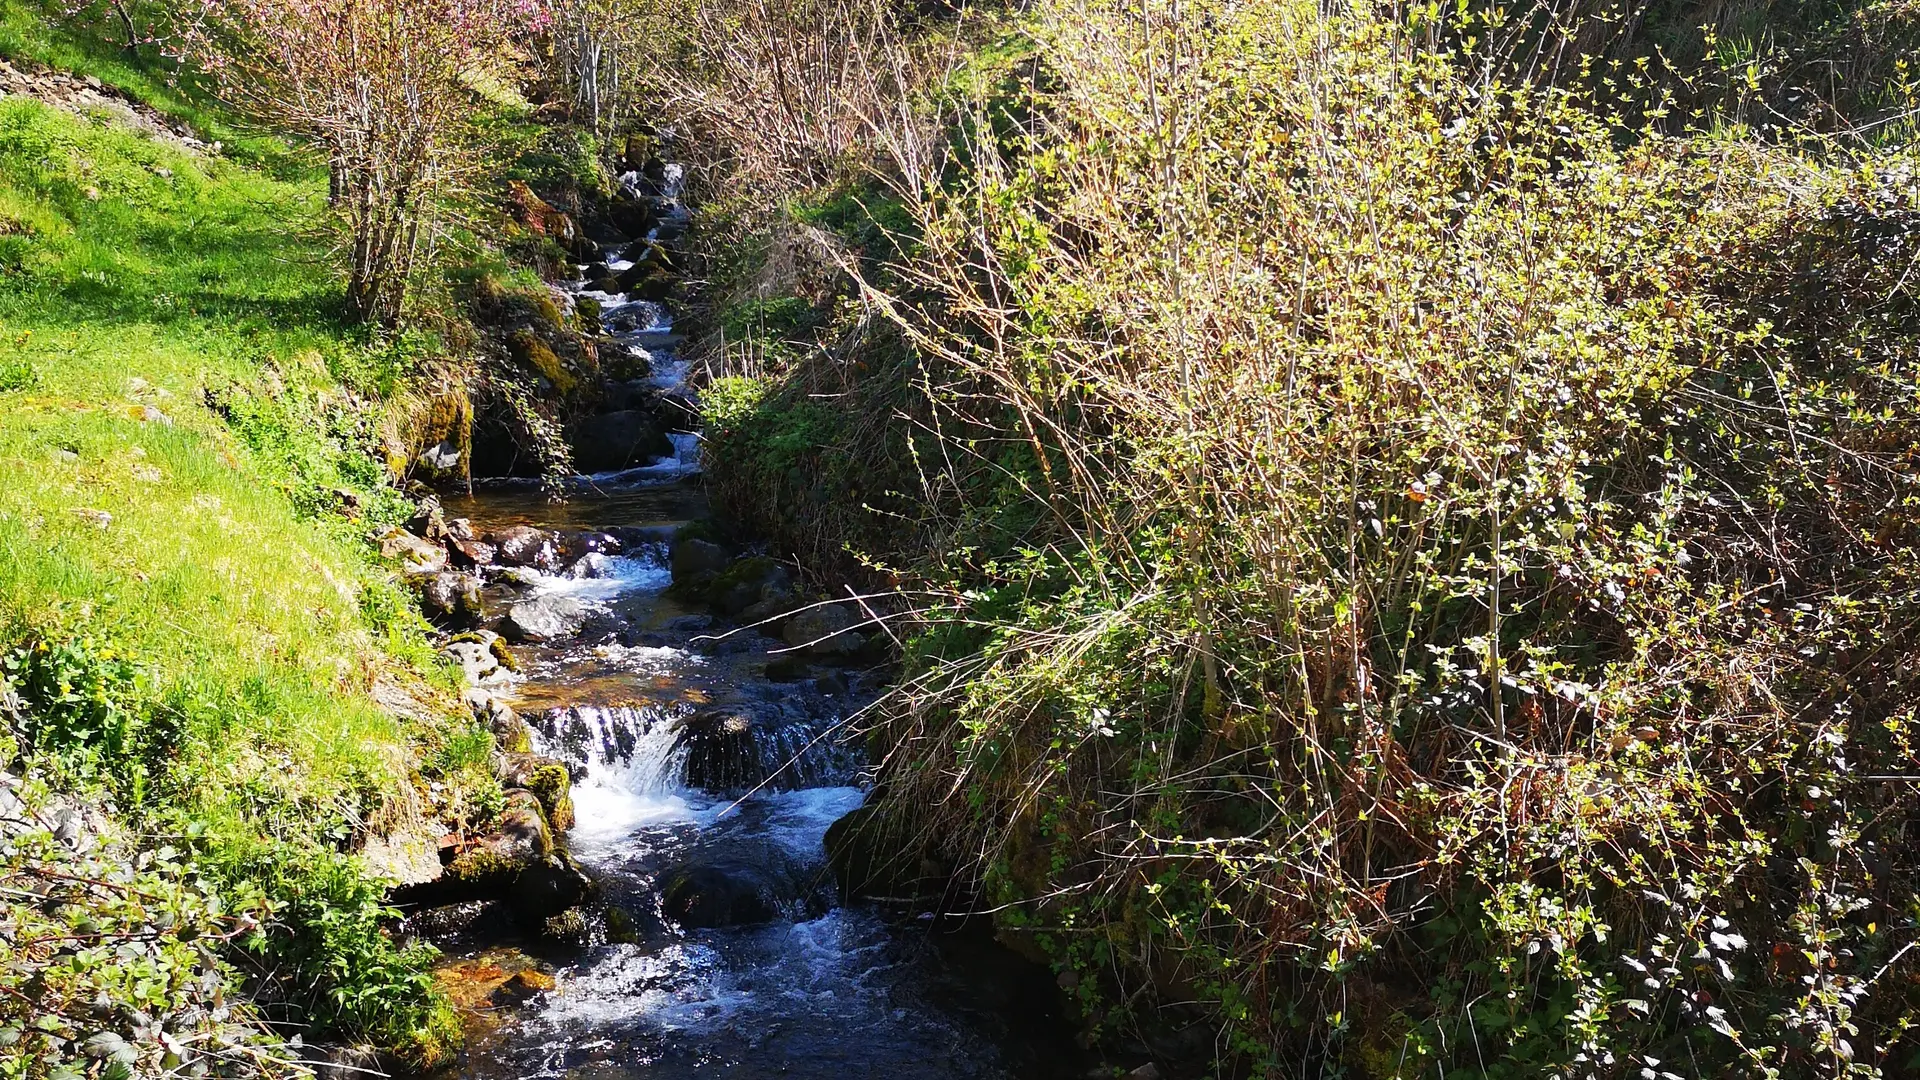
547	311
551	784
569	926
621	929
540	357
588	311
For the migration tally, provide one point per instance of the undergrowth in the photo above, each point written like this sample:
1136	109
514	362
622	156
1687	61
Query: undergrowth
1421	516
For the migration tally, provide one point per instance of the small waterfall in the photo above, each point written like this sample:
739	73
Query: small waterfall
654	750
686	449
633	748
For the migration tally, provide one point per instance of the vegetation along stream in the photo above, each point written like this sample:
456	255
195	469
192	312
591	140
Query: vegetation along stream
952	539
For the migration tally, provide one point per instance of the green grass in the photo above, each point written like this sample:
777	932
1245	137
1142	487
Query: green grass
178	408
43	34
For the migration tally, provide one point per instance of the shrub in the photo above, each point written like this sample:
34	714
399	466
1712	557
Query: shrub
1428	557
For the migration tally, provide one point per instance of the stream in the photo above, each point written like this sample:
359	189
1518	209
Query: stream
719	947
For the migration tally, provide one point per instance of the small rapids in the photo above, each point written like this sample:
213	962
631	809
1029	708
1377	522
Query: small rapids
702	784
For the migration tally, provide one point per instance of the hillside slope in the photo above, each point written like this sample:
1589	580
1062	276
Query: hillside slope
204	668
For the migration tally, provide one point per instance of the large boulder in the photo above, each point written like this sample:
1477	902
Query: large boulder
696	559
545	618
524	545
451	598
711	896
721	749
823	631
617	440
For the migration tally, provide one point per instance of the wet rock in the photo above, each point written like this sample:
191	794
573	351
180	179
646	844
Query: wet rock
460	529
576	545
415	554
632	217
518	577
470	553
722	753
749	581
451	598
728	748
524	545
712	896
594	565
617	440
545	618
521	988
823	631
548	887
871	859
694	558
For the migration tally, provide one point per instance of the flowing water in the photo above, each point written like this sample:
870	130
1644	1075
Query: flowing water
807	986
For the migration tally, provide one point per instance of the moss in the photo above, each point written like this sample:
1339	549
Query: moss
547	311
553	787
539	356
480	867
498	646
569	925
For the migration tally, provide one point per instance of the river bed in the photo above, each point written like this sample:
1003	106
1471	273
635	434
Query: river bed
788	981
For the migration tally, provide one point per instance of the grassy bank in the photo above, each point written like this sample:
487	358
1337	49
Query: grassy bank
1408	525
195	635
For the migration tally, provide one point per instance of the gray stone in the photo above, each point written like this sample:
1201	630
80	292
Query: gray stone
545	618
823	631
451	598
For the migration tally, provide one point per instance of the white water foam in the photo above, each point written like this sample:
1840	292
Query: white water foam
798	820
618	576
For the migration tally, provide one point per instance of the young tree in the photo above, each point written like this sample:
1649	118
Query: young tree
381	87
